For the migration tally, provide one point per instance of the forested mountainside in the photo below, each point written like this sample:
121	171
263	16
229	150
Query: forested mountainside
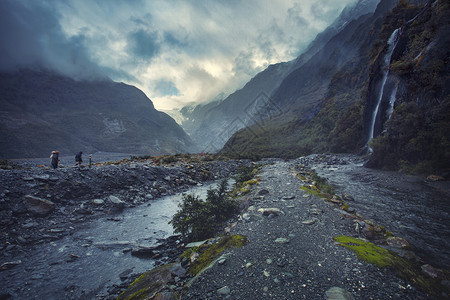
367	83
43	111
211	125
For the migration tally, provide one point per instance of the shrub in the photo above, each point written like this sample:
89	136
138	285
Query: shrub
198	219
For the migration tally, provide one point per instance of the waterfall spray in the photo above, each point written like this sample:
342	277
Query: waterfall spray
392	43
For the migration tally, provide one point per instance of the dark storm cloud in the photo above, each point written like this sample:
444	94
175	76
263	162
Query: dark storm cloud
30	35
176	51
144	44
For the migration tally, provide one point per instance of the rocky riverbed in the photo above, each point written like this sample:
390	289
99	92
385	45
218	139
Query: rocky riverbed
48	216
43	210
295	235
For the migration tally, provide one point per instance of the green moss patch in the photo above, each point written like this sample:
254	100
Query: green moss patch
149	284
210	253
408	270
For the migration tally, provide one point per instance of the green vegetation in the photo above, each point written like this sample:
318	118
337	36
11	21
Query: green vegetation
417	136
246	173
383	258
198	219
149	284
209	253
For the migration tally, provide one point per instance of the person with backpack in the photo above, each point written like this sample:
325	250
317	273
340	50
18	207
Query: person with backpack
78	159
55	159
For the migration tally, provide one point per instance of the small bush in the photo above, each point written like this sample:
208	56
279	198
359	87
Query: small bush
246	173
198	219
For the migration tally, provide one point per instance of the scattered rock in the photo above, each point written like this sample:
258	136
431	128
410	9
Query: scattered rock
269	211
223	291
347	197
282	240
435	178
316	211
116	201
289	197
309	222
194	256
178	270
263	192
398	242
196	244
38	206
43	178
431	271
337	293
336	200
143	251
9	264
98	201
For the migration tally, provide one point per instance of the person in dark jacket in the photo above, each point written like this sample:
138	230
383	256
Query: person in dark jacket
55	159
78	159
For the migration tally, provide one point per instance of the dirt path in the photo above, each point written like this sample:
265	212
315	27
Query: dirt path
292	255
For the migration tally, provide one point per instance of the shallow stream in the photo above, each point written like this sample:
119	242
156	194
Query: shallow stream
409	206
88	262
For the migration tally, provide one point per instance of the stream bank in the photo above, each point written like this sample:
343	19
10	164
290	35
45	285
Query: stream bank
76	233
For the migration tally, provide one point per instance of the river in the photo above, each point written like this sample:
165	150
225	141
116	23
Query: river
87	263
409	206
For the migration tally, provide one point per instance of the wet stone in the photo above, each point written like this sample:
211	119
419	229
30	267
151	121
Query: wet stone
337	293
309	222
282	240
38	206
224	291
98	201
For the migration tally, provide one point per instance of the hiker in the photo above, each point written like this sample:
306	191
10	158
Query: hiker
55	159
78	159
90	160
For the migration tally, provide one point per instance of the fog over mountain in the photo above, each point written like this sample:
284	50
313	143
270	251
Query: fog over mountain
177	52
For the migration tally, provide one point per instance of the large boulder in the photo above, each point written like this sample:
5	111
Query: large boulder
38	206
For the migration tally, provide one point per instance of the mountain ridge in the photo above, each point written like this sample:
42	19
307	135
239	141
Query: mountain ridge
43	111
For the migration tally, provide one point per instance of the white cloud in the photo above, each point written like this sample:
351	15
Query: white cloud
180	52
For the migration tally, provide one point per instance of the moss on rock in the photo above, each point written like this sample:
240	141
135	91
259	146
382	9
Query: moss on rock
149	284
408	270
210	253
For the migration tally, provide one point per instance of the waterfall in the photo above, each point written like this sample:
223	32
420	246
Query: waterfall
392	101
392	43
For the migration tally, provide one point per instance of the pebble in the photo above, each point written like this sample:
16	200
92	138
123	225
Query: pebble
337	293
282	240
224	291
309	222
98	201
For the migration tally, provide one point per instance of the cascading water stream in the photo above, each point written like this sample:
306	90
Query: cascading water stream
392	43
391	102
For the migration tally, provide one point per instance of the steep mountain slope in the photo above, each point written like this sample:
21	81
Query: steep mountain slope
415	99
316	94
381	77
212	124
43	111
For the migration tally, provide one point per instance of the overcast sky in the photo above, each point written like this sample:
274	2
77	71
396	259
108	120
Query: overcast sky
177	52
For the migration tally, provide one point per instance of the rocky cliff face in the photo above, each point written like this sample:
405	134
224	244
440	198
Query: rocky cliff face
42	111
414	122
318	96
384	76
